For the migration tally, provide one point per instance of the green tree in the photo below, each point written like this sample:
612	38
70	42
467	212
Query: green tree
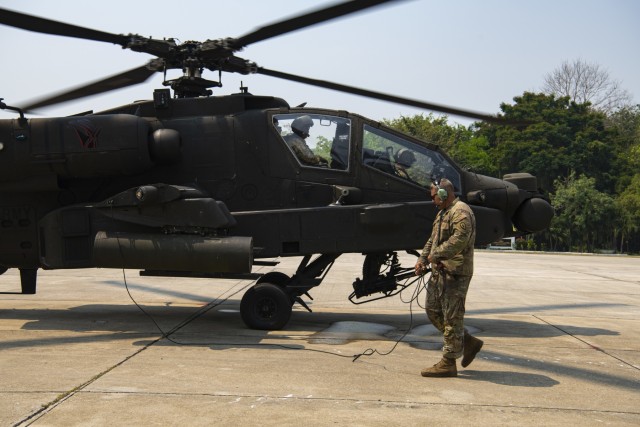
558	137
435	130
584	216
628	203
323	147
624	125
474	154
459	142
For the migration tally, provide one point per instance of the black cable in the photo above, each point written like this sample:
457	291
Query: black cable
187	320
213	304
203	311
416	293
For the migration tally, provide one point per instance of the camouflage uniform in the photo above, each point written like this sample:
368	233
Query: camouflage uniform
302	150
451	249
401	171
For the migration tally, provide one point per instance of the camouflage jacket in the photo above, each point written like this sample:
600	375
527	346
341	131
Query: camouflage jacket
452	239
301	149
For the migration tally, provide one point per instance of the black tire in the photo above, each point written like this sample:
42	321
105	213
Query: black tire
266	307
3	269
275	277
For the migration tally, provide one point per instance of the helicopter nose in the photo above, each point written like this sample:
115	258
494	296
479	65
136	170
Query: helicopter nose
533	215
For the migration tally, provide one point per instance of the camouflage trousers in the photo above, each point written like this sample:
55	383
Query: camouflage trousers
446	296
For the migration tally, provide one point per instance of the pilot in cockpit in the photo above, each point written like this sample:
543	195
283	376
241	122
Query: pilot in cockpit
404	159
296	140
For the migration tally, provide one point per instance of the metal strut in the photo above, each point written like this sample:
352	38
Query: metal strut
309	275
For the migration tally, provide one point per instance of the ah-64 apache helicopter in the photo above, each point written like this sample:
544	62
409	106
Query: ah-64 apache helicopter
194	185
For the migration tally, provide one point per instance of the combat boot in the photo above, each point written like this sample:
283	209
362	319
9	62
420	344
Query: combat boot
444	368
472	346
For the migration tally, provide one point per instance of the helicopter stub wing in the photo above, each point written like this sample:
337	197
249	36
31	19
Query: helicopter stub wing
154	227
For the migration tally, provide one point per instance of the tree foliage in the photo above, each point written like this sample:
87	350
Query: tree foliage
468	150
584	216
435	130
628	204
625	144
562	138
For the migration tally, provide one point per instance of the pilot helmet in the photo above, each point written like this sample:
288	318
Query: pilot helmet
405	157
301	125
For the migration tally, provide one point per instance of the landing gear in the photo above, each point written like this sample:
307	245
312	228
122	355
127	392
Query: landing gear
266	306
382	273
28	278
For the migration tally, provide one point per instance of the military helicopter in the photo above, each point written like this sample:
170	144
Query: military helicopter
193	185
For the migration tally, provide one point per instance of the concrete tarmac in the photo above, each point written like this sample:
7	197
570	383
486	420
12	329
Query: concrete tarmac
561	336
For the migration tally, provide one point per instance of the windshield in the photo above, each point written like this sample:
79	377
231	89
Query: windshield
404	159
316	140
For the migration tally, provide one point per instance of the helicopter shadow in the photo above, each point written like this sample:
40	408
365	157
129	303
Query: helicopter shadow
222	328
224	318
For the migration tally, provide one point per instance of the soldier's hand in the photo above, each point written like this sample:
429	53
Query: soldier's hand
420	268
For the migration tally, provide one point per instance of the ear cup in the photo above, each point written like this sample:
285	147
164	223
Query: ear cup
442	193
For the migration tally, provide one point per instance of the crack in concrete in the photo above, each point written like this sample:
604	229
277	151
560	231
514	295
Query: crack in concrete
593	346
46	408
635	282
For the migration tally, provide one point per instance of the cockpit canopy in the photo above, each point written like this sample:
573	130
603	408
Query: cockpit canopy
328	143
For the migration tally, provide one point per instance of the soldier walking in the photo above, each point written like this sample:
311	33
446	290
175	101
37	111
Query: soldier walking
449	251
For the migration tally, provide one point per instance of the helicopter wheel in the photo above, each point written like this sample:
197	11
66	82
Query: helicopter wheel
275	277
266	306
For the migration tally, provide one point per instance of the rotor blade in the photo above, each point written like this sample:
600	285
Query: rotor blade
48	26
305	20
382	96
118	81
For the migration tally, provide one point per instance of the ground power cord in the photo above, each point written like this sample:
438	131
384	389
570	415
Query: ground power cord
220	300
422	285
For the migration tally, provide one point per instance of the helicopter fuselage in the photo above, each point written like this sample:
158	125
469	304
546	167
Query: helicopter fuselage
58	177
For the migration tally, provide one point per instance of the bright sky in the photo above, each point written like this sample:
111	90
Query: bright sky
469	54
